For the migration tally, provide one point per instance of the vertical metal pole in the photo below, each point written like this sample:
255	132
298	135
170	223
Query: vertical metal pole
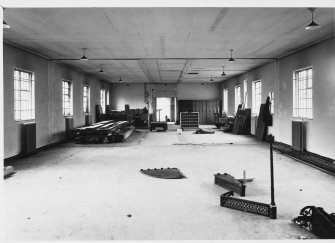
272	179
273	204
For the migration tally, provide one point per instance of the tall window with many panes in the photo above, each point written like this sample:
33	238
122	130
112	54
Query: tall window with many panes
256	96
245	91
237	96
225	100
302	93
67	98
103	100
24	95
86	99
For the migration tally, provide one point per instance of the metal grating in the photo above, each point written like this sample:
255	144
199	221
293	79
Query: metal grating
189	120
247	206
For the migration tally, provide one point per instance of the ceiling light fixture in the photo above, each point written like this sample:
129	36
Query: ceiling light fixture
312	25
120	79
127	85
211	79
202	84
5	25
101	71
231	59
84	58
223	73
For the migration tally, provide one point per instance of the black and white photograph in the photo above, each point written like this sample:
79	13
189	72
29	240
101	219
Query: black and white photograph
167	120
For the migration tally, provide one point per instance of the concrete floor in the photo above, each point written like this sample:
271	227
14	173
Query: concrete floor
85	192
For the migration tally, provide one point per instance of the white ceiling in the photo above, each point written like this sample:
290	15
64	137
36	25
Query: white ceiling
165	44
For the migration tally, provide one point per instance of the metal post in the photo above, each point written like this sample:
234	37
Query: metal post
273	204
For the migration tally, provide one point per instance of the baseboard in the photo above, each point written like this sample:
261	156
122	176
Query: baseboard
8	160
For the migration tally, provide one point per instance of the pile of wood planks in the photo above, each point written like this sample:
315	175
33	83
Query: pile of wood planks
104	132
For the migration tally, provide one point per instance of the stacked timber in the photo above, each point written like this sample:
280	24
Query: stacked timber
104	132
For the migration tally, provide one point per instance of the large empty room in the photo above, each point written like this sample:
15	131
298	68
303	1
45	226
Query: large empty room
167	120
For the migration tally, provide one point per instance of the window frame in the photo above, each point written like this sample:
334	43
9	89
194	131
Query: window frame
299	101
87	111
103	100
256	102
70	95
225	100
245	93
238	98
18	101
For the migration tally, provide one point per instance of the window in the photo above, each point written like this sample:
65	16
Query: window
67	98
86	99
225	100
103	100
24	95
256	96
107	97
245	90
302	93
237	96
272	100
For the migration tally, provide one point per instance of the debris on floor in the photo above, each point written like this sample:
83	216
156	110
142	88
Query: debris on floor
164	173
304	237
129	215
317	221
204	131
8	170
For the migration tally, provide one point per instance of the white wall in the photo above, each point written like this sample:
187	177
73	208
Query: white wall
50	123
134	95
277	77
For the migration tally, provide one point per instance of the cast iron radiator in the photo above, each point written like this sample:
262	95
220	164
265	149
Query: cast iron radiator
247	206
69	133
28	139
299	135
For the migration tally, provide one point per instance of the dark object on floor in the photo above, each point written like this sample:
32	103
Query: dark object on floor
164	173
261	128
268	210
229	124
160	124
104	132
8	170
129	215
264	120
230	183
316	220
315	160
204	131
242	121
226	200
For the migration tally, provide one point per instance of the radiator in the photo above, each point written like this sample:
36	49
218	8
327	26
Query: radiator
28	138
253	125
68	127
299	135
88	119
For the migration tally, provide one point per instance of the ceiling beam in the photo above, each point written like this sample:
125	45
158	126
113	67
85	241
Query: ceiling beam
146	72
164	58
185	69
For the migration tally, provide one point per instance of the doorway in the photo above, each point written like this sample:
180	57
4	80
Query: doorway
165	109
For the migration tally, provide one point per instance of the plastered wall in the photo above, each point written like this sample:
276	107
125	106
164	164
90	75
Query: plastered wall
50	123
134	95
277	77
